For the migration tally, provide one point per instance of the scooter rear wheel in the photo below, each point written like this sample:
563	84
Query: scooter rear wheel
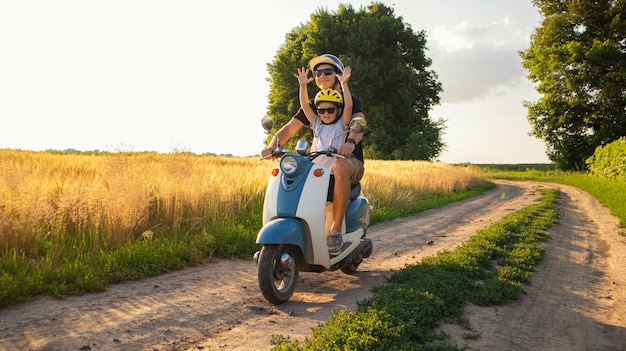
351	268
278	272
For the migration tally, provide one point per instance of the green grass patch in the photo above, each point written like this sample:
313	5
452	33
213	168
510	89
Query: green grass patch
404	314
22	279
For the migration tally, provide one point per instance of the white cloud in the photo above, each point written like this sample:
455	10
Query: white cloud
474	60
465	36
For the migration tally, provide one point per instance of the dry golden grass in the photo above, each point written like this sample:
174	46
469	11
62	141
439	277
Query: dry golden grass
109	199
98	201
395	182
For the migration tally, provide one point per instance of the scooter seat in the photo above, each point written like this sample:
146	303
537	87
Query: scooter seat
355	191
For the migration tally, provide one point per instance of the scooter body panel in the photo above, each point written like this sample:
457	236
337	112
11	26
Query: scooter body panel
299	198
283	231
357	214
311	210
296	211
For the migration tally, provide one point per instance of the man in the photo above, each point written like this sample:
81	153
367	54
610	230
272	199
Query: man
347	171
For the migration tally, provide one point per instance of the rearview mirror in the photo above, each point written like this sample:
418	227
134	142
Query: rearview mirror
267	122
358	125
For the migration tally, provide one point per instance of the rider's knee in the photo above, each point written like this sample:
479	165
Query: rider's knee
344	168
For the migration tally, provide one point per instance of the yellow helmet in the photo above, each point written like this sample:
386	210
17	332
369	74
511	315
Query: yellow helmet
329	95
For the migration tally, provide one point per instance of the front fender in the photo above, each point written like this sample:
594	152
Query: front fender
282	231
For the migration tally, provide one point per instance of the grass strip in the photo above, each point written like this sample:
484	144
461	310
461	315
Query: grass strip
404	314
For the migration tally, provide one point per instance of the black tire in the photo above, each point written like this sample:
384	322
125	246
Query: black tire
351	268
276	281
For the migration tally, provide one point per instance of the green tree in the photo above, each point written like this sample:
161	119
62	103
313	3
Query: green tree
577	57
390	75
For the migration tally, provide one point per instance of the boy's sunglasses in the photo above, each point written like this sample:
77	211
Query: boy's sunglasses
321	111
325	71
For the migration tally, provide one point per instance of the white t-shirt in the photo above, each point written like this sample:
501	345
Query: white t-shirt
325	136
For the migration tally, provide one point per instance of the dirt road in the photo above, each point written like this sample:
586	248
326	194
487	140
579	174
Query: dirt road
576	300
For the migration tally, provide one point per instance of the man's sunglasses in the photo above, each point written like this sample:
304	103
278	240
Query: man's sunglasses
321	111
325	71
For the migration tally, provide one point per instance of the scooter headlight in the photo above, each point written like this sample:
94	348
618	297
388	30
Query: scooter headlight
289	164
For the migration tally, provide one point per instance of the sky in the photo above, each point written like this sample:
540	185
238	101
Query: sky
164	75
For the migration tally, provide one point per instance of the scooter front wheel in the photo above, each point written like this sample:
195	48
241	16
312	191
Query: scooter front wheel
278	272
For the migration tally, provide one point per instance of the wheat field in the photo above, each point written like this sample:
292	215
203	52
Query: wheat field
93	202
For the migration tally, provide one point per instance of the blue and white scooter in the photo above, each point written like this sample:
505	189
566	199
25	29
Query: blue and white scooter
297	213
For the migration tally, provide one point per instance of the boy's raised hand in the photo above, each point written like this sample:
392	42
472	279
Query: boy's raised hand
303	76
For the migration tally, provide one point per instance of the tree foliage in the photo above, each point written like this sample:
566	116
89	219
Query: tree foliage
609	161
577	57
390	75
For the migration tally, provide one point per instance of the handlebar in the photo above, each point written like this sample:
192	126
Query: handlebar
330	153
278	153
